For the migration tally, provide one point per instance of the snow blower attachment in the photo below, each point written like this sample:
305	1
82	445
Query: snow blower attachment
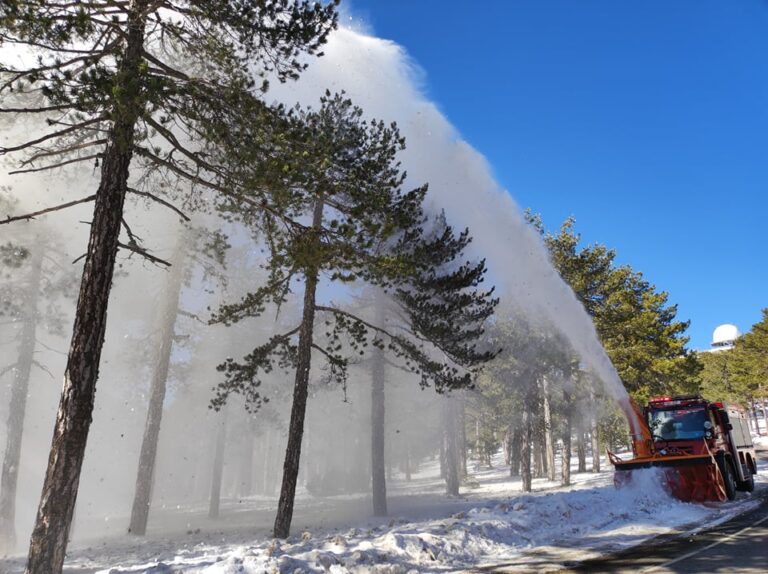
704	449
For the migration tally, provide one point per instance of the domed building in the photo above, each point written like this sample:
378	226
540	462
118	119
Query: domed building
724	337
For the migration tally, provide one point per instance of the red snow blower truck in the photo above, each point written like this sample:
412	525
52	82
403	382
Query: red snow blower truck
704	448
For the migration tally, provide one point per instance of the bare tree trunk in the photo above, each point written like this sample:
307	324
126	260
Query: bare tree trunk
452	462
525	450
214	502
142	497
245	478
514	450
300	393
378	460
752	414
57	503
549	443
595	447
408	463
18	405
463	434
565	477
764	406
506	447
538	452
443	471
266	474
581	450
593	432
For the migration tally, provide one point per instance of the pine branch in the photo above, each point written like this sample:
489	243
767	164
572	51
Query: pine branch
333	359
173	140
8	368
43	368
144	253
171	166
160	201
41	110
57	165
60	133
74	147
29	216
38	342
357	319
132	239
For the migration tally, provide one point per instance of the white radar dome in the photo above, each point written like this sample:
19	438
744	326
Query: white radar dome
725	335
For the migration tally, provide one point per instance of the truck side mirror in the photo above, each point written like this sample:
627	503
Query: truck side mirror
724	418
728	426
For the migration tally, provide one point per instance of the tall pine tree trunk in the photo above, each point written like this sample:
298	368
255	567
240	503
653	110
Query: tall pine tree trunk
565	476
752	414
548	439
408	462
142	497
525	450
300	393
538	451
378	461
245	475
266	482
514	450
214	502
452	462
581	450
463	434
594	436
595	448
442	456
57	502
18	405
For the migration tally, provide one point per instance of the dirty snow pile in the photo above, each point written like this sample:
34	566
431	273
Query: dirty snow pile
593	518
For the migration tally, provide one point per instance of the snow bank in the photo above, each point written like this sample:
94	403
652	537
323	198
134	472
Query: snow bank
594	517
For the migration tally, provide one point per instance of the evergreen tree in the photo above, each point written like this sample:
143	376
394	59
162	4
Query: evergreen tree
749	363
107	80
33	287
343	216
637	327
716	379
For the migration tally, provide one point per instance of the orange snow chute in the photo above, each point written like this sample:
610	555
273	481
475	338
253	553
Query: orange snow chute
688	476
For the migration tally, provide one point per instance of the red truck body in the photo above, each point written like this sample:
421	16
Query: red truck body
704	447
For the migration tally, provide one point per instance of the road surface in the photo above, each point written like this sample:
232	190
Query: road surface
739	545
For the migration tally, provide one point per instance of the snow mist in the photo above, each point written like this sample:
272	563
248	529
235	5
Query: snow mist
379	76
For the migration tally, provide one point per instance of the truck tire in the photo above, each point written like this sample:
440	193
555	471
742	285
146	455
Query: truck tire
747	485
728	479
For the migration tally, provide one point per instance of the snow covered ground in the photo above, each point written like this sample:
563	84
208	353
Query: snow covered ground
492	523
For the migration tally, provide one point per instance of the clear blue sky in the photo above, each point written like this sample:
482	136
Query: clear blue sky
646	120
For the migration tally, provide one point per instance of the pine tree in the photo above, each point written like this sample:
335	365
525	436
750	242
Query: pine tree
33	287
638	328
343	215
750	364
107	85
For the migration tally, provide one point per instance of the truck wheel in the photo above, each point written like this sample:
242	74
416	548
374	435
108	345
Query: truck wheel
728	479
749	484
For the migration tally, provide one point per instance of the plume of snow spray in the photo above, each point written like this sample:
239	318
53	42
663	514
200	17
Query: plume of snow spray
379	76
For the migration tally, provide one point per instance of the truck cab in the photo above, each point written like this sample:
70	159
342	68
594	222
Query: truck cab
691	425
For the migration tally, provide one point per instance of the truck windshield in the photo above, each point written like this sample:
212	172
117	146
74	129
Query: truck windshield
677	424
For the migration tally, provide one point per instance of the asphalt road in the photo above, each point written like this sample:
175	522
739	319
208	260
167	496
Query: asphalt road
739	545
